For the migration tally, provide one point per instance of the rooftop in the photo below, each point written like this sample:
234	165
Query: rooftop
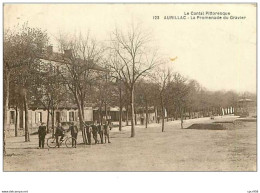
65	57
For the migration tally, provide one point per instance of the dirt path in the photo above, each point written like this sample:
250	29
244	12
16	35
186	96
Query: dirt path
151	150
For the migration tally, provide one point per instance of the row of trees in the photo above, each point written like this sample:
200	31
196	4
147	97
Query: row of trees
21	66
180	97
126	72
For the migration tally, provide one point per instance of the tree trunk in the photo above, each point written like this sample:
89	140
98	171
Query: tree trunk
6	103
48	117
100	114
106	110
120	109
162	113
132	113
52	120
146	114
181	115
167	119
27	134
81	120
127	122
48	120
80	105
135	118
16	122
155	114
81	126
82	109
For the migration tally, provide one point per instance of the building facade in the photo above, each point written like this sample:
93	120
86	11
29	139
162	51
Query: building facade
37	116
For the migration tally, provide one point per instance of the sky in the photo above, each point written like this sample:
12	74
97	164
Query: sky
219	54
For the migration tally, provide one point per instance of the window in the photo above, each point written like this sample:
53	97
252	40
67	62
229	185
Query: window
38	117
57	117
12	117
71	116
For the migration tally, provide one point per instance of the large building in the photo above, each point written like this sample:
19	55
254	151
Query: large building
52	62
38	115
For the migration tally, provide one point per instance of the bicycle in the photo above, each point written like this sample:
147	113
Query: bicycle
51	142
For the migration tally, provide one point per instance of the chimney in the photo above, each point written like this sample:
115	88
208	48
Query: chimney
68	53
49	50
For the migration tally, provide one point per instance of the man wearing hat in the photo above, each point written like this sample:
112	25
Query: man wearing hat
89	131
107	127
74	133
95	132
59	132
42	133
101	132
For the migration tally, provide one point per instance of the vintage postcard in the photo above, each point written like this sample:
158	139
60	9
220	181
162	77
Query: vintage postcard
129	87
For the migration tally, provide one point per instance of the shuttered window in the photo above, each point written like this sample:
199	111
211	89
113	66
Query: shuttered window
71	116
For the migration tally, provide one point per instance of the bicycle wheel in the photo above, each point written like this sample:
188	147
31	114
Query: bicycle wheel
71	142
51	142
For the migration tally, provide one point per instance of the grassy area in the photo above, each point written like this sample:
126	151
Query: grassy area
151	150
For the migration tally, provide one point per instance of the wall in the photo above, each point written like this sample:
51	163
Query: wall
37	116
88	114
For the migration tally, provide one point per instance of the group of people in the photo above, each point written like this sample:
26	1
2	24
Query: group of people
96	129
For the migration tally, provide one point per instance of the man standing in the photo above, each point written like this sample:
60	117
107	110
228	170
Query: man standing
59	132
74	133
101	132
88	130
142	120
106	131
42	133
95	132
158	119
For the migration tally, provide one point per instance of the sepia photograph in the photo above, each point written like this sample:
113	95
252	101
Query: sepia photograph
129	87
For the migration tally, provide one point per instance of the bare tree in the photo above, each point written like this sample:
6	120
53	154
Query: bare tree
49	91
16	101
103	94
79	69
181	91
161	79
120	93
146	94
21	46
131	58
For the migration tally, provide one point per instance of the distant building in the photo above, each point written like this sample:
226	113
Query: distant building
246	107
